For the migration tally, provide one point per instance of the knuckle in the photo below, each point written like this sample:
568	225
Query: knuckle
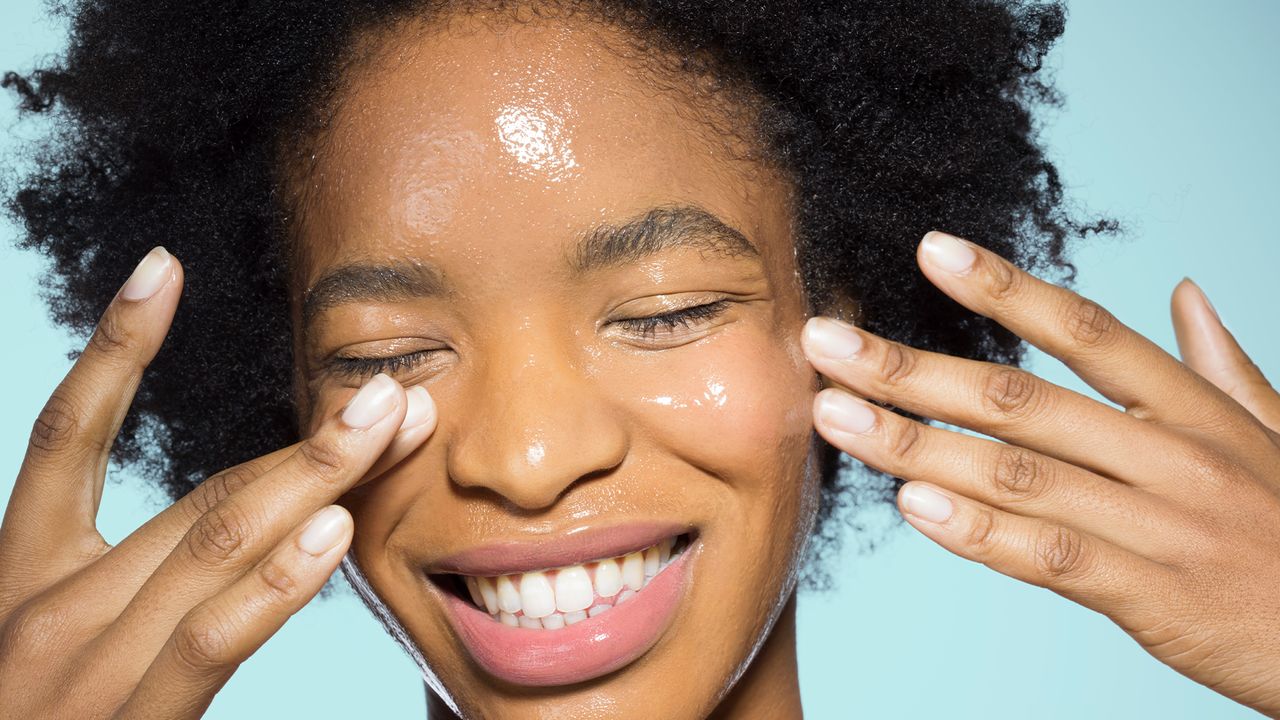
219	535
1019	474
112	336
323	456
213	491
1208	468
1060	551
1011	392
906	440
1088	323
31	628
56	425
981	536
897	364
202	642
1003	281
278	578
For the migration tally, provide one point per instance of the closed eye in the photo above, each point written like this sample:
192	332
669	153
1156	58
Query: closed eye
651	328
665	324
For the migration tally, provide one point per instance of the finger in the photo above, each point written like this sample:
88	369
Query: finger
115	578
58	490
1005	476
216	636
236	532
1207	347
1074	564
1004	402
1121	364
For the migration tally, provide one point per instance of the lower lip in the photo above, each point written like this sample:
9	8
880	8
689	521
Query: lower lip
579	652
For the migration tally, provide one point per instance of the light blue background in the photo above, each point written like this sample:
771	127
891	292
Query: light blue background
1170	126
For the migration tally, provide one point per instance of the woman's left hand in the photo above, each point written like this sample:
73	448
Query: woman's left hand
1163	514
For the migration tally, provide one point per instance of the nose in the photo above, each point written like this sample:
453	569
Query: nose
533	423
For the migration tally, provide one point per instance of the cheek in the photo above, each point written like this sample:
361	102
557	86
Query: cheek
737	405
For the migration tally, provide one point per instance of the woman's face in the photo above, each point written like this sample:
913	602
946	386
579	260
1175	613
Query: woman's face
494	213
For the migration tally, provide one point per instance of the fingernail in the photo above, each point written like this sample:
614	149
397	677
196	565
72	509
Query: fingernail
374	401
842	412
1205	299
150	275
323	531
831	339
948	253
925	502
421	408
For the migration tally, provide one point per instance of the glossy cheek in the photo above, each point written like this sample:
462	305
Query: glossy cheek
734	407
734	411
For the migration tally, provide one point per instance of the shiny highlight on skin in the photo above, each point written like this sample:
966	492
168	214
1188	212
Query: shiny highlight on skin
481	157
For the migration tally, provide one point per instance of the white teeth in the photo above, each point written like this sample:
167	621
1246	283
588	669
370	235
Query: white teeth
473	587
508	596
633	570
608	578
536	597
664	550
489	593
553	599
651	562
573	589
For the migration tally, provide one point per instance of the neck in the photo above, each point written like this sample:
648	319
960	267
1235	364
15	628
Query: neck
769	689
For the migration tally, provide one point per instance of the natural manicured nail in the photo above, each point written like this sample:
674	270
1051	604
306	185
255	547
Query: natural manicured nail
374	401
421	408
1205	299
149	276
842	412
925	502
948	253
323	531
831	339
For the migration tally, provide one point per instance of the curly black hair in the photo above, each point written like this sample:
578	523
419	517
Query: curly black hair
892	117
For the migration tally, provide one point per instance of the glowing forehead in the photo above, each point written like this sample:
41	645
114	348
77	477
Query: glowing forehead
536	137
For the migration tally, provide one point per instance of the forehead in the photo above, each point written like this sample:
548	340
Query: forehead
477	137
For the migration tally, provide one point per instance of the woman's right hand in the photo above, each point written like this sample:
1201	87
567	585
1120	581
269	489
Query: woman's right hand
153	627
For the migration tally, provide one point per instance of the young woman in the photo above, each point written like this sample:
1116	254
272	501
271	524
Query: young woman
512	306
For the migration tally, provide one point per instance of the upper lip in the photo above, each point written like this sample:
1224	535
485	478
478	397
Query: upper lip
571	548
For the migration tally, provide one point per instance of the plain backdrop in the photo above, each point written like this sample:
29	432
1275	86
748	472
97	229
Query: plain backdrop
1170	126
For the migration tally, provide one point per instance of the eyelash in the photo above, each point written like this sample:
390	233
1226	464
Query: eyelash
645	327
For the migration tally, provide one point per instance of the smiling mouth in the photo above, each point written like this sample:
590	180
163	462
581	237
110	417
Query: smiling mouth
554	598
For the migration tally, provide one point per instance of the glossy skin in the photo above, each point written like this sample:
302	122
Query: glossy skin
545	413
555	415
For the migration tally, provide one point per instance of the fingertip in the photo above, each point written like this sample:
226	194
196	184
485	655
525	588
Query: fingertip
946	252
420	409
924	501
379	398
327	529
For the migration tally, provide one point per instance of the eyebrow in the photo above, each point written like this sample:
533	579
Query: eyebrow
657	230
660	229
370	282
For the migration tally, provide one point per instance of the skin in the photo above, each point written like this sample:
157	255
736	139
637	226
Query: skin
1169	532
554	416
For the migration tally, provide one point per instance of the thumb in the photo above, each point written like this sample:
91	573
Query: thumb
1207	347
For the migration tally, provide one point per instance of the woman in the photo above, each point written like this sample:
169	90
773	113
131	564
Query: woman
510	305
